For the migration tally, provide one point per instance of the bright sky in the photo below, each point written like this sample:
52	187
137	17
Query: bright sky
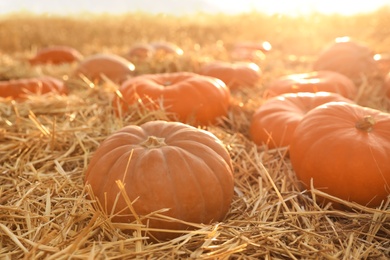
305	6
180	6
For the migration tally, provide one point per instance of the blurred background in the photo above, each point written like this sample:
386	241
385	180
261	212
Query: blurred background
179	7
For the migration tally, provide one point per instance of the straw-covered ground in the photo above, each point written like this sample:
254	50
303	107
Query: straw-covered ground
47	141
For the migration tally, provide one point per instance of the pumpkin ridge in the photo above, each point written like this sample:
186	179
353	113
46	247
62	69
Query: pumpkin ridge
185	155
118	137
108	186
165	130
103	157
135	172
214	155
172	185
129	154
370	146
207	145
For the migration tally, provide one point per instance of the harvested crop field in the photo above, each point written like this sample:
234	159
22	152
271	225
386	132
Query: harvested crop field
47	141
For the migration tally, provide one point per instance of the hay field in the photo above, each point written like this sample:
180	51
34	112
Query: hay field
46	143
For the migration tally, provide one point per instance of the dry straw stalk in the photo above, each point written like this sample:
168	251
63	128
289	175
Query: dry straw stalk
45	146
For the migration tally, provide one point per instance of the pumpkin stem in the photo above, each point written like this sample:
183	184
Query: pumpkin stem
154	142
167	83
365	124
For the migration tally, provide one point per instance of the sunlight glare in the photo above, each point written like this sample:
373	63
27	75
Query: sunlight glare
342	39
292	7
300	7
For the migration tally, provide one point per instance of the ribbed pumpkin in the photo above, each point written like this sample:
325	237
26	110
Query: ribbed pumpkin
383	62
140	51
351	58
56	55
166	48
114	67
344	149
274	122
315	81
191	97
386	85
21	88
163	165
250	51
235	75
264	46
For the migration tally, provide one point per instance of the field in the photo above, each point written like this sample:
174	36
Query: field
47	141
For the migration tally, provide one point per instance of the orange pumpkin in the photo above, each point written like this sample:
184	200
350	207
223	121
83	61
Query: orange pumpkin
347	57
114	67
344	149
250	51
165	48
315	81
191	97
386	85
140	51
20	88
235	75
56	55
274	122
163	165
383	62
264	46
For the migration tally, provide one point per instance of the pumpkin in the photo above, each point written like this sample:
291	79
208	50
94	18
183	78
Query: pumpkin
163	165
20	88
114	67
140	51
235	75
383	62
264	46
344	149
348	57
143	51
250	51
56	55
315	81
189	96
274	122
165	48
386	85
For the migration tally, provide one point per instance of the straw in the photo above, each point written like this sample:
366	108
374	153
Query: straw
47	211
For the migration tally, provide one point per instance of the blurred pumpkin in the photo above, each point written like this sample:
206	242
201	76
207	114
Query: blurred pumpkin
114	67
250	51
264	46
235	75
190	96
21	88
344	150
163	165
383	62
140	51
56	55
386	85
165	48
274	122
315	81
348	57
